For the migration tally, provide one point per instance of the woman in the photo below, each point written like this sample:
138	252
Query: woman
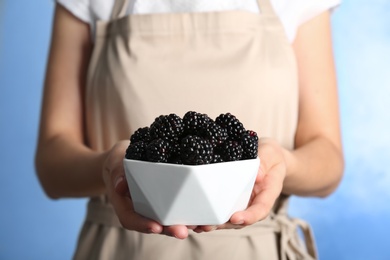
225	58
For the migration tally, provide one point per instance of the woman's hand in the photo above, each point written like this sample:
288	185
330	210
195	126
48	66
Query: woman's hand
119	196
267	188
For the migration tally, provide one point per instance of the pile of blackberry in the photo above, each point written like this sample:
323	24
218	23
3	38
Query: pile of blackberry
195	139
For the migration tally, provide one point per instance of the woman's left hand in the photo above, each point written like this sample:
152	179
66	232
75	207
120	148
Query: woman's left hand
266	190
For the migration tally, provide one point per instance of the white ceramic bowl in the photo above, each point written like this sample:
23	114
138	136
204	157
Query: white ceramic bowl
190	195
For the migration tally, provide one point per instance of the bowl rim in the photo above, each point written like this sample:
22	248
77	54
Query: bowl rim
188	165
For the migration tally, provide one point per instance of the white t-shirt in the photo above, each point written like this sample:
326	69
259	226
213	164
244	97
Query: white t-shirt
292	13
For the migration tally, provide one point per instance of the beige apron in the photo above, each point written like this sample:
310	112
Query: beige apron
144	66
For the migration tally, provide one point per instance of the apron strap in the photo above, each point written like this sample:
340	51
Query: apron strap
291	247
266	7
119	8
291	244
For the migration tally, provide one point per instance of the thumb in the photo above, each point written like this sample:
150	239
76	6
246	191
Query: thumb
113	174
120	185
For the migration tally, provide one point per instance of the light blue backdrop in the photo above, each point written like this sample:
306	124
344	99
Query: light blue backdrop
353	223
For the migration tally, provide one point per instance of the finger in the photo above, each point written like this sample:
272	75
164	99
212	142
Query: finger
230	225
227	225
125	211
270	154
205	228
257	211
266	194
114	171
132	220
177	231
192	227
260	207
120	185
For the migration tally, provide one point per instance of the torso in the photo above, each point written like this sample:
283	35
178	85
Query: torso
145	66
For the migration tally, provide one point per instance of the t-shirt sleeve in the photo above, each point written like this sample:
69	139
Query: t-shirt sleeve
79	8
294	13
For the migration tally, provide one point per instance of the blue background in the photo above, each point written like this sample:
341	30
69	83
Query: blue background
353	223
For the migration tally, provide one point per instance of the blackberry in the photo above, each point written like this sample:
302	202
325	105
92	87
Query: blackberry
141	134
195	150
175	160
195	123
232	125
175	149
174	155
217	158
195	139
250	144
158	151
136	151
231	151
215	134
167	127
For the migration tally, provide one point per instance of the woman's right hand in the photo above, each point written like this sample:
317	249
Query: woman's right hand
119	196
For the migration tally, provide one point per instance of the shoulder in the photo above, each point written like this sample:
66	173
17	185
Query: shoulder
88	10
294	13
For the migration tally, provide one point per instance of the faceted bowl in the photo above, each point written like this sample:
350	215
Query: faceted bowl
174	194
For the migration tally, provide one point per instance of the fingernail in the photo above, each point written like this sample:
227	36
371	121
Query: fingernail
197	230
179	237
238	222
212	229
118	180
152	231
